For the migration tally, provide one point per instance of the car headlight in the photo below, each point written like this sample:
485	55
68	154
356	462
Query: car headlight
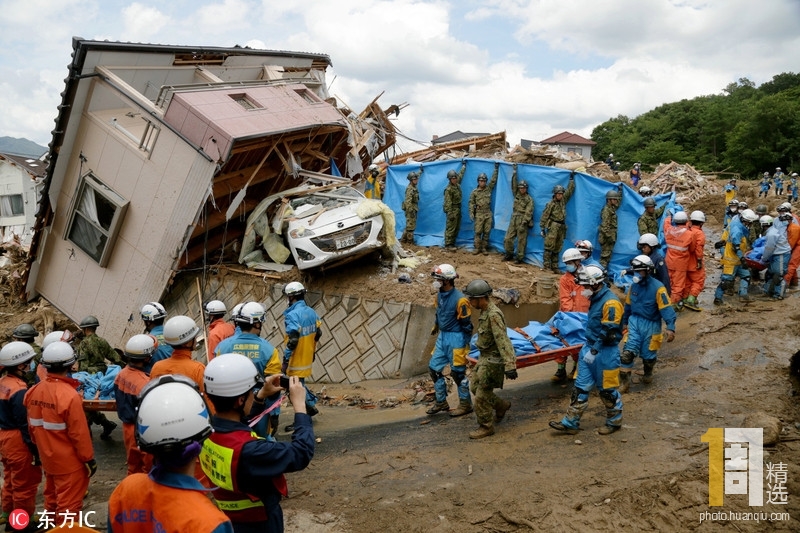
298	233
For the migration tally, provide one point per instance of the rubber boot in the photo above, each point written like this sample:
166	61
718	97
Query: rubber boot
437	407
485	247
624	382
608	430
108	427
648	371
508	257
560	376
500	410
558	426
464	408
482	431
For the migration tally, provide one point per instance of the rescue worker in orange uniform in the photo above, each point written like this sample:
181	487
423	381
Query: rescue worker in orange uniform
180	332
22	470
793	236
128	384
248	470
571	298
171	424
696	275
680	256
61	434
218	328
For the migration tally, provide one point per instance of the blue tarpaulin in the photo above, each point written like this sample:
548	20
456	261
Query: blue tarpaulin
570	327
91	382
583	209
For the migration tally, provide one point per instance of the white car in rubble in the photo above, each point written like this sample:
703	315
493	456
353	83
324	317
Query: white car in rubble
320	222
325	228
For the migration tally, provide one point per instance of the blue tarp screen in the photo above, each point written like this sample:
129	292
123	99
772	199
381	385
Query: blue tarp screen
583	209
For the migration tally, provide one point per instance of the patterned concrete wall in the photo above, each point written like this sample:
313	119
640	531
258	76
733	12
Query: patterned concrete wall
362	338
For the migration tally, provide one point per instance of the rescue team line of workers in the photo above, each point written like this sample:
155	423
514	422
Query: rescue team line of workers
168	405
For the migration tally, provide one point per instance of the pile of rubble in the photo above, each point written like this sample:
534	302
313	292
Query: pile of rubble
688	184
12	265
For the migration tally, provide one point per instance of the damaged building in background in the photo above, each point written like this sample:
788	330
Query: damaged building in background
160	154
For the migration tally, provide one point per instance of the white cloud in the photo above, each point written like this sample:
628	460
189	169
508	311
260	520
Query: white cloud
141	22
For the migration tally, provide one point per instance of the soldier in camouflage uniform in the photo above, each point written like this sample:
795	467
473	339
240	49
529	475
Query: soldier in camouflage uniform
607	234
648	222
411	206
452	206
92	352
553	223
480	210
521	220
497	360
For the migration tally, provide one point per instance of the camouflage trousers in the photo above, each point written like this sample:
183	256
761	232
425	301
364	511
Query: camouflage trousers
483	226
452	224
606	247
517	229
486	378
411	226
553	241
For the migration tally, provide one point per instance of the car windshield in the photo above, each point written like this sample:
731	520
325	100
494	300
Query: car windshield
312	203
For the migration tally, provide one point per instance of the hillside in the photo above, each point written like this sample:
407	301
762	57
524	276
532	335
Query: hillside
24	147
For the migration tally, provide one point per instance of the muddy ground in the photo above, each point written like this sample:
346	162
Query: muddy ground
395	468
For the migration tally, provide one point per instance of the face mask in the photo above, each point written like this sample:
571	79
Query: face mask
437	285
637	278
571	268
586	293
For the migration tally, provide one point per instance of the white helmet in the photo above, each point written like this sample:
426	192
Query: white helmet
743	205
610	155
748	215
642	262
230	375
216	307
785	206
777	168
251	313
171	415
16	353
766	220
584	246
766	174
571	254
373	166
153	311
794	174
140	347
235	311
294	288
680	217
179	330
644	190
444	271
649	239
697	216
63	336
58	355
591	275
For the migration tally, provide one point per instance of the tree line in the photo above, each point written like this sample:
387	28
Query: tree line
747	130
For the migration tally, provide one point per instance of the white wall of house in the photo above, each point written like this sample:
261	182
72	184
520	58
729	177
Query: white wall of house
18	202
583	151
163	189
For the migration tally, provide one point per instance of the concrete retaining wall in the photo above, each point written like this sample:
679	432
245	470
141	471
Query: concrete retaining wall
362	338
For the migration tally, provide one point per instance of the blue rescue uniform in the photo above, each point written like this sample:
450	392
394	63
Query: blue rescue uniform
452	344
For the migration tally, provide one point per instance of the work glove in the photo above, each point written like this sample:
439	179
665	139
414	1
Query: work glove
512	374
572	175
497	164
37	461
530	223
543	233
589	357
435	329
91	467
670	335
699	264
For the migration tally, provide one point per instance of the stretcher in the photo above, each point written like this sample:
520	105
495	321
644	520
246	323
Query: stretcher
542	356
100	405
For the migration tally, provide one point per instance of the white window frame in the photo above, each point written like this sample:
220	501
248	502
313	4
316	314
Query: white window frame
7	204
84	225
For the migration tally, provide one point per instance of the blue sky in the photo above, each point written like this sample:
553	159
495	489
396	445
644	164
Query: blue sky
532	68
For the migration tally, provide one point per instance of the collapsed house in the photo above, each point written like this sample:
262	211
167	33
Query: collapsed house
21	182
159	155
